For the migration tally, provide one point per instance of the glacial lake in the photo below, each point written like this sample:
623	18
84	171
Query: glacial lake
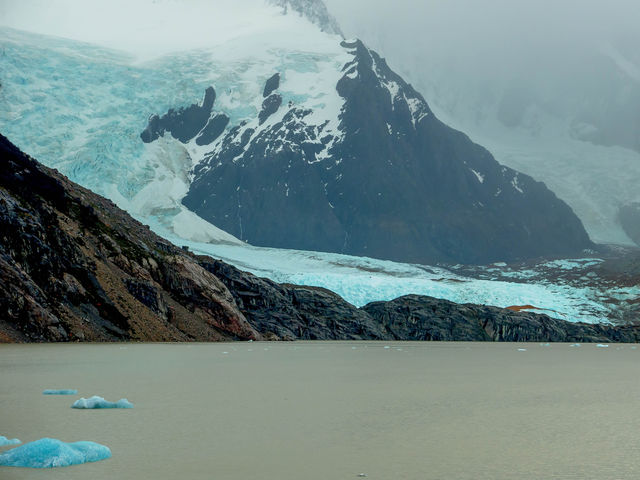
332	410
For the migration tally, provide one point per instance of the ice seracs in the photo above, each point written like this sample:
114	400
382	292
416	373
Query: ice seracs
50	452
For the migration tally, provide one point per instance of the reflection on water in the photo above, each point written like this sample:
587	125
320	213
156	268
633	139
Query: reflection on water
332	410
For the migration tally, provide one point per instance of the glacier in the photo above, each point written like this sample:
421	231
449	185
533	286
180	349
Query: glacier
59	392
4	441
79	108
97	402
49	452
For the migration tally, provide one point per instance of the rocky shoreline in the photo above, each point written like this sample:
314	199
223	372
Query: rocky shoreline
74	267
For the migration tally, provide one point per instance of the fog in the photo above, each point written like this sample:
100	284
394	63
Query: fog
489	32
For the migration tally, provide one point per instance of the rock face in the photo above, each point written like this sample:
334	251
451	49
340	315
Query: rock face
291	312
75	267
393	183
186	122
426	318
273	83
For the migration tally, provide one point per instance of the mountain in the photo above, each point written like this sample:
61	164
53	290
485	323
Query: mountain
564	109
74	267
384	179
80	108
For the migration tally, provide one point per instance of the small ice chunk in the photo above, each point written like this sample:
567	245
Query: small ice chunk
575	345
545	344
387	346
363	475
522	349
49	452
61	391
602	345
96	402
4	441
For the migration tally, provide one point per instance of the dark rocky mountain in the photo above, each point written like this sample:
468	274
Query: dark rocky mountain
393	183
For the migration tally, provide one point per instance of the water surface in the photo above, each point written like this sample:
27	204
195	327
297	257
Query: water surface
310	411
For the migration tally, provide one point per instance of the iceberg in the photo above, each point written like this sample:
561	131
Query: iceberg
4	441
59	392
96	402
49	452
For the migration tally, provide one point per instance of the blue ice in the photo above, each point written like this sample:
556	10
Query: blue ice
4	441
99	402
60	392
49	452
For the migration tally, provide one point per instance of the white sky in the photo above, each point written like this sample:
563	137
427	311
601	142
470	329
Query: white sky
145	27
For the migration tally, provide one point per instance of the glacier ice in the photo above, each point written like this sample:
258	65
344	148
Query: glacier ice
4	441
62	391
49	452
97	402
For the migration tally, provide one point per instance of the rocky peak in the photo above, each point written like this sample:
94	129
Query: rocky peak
381	177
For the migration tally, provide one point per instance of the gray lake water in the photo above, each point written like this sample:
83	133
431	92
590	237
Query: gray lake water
319	410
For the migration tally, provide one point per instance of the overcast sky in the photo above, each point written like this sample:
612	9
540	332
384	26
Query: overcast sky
441	27
489	31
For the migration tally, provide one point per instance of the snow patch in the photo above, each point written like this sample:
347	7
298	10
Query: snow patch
515	184
478	175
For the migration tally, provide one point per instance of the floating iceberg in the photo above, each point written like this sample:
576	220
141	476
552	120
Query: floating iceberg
99	402
49	452
4	441
59	392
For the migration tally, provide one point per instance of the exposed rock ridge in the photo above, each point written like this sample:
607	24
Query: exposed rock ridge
75	267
